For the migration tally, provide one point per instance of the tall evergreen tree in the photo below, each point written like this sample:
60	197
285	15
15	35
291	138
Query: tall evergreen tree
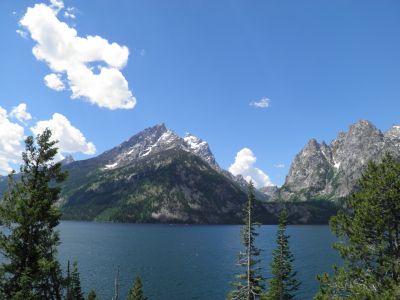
67	282
29	244
249	285
283	284
368	231
75	283
136	292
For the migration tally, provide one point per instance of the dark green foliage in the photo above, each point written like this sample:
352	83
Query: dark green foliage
248	285
92	296
136	292
283	284
73	283
29	216
368	232
173	180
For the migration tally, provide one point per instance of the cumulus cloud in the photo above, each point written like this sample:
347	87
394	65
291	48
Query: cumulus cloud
11	142
20	113
53	81
262	103
70	138
12	136
244	165
91	64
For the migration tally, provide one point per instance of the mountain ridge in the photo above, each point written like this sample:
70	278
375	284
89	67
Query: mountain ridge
158	176
322	171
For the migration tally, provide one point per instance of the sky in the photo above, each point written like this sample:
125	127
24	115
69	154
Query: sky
255	79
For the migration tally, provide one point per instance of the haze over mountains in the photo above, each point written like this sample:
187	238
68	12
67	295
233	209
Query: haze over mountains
157	176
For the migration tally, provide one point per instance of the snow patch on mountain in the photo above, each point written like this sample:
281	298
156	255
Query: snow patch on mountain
111	166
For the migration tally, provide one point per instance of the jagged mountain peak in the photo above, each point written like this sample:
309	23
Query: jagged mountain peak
312	143
153	140
393	132
200	148
393	136
331	171
363	127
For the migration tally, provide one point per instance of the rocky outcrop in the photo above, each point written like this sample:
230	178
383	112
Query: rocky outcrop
322	171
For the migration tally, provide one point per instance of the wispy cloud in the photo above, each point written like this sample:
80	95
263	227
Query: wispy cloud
279	166
22	33
70	13
262	103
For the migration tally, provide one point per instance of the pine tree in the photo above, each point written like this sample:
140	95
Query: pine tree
68	295
368	231
249	285
29	244
75	286
92	295
283	284
136	292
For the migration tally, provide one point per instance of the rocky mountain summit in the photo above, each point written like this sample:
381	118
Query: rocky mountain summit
155	176
322	171
158	176
153	141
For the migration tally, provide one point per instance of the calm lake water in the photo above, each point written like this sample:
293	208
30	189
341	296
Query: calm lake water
183	261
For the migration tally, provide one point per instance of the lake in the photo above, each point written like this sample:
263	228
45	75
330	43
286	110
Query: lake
182	262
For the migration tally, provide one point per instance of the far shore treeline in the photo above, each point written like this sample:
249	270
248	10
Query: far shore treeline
367	226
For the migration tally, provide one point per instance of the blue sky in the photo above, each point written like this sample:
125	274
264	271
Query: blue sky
197	66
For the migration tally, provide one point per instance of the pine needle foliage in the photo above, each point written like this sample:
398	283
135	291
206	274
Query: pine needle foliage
368	232
73	283
248	285
136	292
283	284
29	216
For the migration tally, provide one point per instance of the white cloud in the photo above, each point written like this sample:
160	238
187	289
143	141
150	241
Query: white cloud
20	113
279	166
262	103
54	82
11	142
65	52
57	5
70	13
244	165
22	33
12	136
70	138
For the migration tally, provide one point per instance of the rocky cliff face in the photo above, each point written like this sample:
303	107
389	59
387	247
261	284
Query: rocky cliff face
322	171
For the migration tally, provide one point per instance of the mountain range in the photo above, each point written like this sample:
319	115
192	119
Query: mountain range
158	176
